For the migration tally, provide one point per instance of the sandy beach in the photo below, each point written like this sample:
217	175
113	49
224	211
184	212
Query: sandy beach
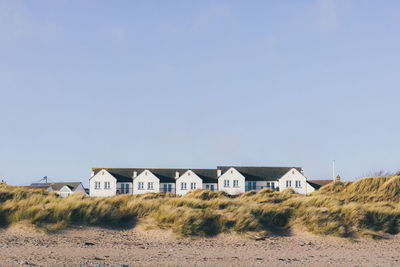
92	246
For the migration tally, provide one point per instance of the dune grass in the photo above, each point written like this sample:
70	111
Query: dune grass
368	207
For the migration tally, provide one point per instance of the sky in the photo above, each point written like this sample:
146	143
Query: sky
197	84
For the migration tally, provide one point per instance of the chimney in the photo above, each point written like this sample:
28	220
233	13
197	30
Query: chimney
176	174
134	174
218	172
338	178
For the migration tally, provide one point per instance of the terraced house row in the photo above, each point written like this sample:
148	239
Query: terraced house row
231	179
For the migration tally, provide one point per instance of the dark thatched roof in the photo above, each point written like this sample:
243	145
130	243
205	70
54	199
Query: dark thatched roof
260	173
125	175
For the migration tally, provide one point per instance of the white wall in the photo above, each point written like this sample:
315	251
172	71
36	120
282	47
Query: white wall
64	191
146	176
310	189
188	177
103	176
232	174
294	175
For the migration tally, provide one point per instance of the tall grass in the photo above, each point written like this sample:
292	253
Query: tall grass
368	207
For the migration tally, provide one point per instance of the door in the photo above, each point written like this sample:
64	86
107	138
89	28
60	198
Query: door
165	188
170	188
212	187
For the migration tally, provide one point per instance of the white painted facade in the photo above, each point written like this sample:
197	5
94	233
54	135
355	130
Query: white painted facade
146	182
103	184
295	180
232	182
188	181
65	191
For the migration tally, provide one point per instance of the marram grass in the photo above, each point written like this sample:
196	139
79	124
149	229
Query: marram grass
368	207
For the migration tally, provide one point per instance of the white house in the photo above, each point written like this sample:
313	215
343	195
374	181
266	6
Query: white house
233	180
109	182
295	180
188	181
145	182
66	189
238	179
63	189
193	179
113	181
230	180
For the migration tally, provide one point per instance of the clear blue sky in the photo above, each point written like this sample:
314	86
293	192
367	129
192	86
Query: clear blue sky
197	84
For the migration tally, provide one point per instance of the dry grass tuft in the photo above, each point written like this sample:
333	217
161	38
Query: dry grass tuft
369	207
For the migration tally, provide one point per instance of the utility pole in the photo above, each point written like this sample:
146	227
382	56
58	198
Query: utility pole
333	170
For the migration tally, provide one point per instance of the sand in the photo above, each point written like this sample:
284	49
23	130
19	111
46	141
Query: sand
92	246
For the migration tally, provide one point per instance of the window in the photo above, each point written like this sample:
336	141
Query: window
207	186
288	183
140	185
298	184
122	188
268	184
107	185
192	186
251	186
169	187
150	186
212	187
226	183
96	185
183	186
235	183
127	188
165	188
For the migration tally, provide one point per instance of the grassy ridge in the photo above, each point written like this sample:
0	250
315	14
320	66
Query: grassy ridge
368	207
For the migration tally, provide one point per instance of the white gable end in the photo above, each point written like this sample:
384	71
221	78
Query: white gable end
295	180
98	184
232	182
188	181
146	182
